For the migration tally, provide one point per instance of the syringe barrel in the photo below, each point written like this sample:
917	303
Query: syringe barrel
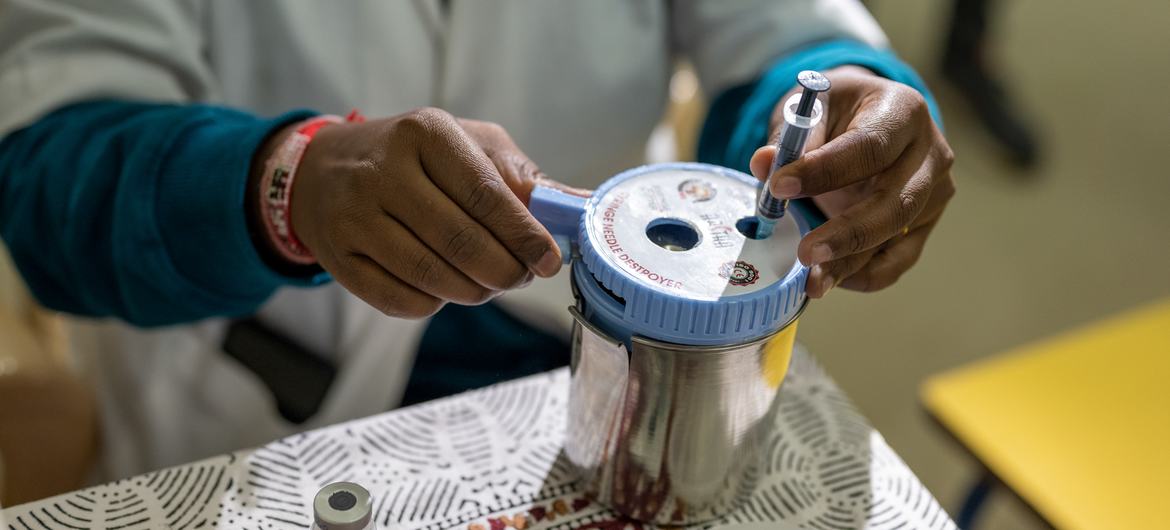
790	146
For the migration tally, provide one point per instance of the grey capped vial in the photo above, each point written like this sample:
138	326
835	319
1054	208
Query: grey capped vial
342	506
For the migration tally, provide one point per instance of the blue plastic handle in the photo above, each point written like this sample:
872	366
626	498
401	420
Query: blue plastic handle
560	213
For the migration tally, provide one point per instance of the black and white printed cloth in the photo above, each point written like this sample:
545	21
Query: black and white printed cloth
488	460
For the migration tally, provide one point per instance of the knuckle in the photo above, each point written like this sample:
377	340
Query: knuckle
856	236
525	167
915	98
483	193
421	122
432	115
946	157
463	246
856	240
909	204
530	244
427	270
872	146
495	129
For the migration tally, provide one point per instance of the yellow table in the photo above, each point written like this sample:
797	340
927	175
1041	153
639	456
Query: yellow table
1077	425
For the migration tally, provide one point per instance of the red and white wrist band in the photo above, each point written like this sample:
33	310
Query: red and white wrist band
276	184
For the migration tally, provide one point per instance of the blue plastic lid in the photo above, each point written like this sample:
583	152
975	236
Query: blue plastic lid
661	255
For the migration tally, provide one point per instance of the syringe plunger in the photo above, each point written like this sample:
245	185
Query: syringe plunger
802	112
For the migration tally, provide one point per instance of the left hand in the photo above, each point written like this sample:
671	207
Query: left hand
880	170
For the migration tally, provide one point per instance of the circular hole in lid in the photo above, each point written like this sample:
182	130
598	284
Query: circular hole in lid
748	226
672	234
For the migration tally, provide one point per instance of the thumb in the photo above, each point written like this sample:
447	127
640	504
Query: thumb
518	171
522	175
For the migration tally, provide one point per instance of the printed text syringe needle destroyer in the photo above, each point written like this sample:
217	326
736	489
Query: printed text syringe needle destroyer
802	112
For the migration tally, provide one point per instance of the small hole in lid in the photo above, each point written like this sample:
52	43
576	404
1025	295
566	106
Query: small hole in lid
342	501
748	226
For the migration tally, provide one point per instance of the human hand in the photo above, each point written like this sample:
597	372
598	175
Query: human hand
880	170
416	210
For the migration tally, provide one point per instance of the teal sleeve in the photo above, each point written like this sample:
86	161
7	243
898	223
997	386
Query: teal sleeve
136	211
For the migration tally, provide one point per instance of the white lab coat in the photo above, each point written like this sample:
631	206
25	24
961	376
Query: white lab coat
578	84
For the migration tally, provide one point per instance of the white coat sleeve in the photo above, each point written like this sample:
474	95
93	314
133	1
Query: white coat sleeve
56	52
731	42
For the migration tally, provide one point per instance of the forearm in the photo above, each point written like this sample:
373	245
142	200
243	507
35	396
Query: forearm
136	211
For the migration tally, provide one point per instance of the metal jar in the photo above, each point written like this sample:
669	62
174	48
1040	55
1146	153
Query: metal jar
671	433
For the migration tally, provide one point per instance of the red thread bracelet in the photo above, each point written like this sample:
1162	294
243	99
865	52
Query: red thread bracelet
276	185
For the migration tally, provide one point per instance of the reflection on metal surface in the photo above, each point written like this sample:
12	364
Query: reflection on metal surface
671	433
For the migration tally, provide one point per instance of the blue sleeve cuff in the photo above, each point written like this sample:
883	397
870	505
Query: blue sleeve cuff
737	123
200	214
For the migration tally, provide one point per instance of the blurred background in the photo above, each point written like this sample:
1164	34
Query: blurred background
1024	251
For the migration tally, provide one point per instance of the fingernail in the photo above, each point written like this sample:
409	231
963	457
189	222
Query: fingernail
821	253
827	281
787	186
549	263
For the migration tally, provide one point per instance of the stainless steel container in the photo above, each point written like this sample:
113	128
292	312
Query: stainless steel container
672	433
683	330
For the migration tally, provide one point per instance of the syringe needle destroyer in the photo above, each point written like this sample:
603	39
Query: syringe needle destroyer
802	112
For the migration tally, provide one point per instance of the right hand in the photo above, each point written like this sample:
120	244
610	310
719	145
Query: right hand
416	210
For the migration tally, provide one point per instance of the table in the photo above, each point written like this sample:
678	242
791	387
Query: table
490	459
1077	425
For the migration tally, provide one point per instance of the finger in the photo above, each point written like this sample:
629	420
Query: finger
940	195
761	161
562	187
825	276
452	234
900	195
888	265
459	167
873	141
385	292
522	175
519	172
399	251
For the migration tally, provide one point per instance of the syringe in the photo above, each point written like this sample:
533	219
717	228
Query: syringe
802	112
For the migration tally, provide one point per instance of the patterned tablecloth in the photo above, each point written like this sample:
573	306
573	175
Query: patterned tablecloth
490	460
